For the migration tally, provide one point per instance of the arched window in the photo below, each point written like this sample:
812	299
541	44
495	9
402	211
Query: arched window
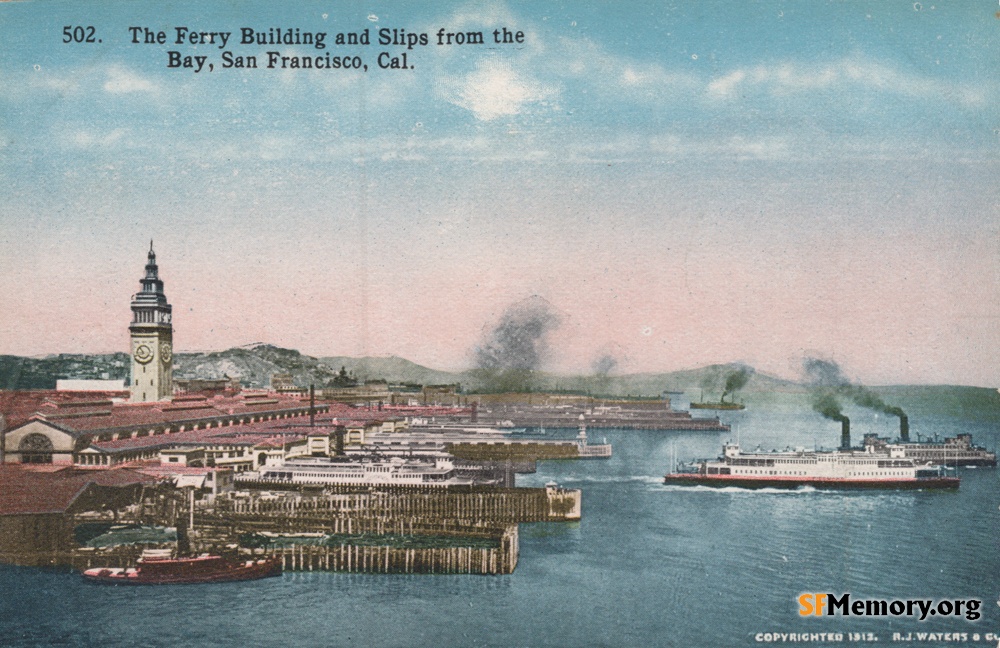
36	448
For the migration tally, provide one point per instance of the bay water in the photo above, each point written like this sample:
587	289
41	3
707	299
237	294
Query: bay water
648	565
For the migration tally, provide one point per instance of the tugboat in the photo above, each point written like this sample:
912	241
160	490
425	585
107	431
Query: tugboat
159	568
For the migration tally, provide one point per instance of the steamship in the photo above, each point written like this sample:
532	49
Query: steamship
721	405
953	451
846	468
395	471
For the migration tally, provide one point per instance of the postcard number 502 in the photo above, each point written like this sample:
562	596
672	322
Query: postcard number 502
80	34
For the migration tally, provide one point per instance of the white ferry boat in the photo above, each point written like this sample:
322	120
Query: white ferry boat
394	471
953	451
837	469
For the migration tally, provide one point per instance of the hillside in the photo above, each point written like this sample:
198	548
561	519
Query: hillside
394	369
17	372
255	364
710	380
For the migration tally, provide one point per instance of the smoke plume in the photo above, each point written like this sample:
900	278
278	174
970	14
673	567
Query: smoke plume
825	402
823	373
603	365
712	378
737	380
514	349
726	377
826	375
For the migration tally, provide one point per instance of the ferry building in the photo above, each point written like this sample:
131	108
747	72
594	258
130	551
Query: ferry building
104	429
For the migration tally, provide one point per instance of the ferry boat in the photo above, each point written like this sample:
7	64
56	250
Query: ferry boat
393	471
953	451
721	405
165	570
837	469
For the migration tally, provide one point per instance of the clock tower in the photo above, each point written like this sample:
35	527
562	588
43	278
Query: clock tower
152	338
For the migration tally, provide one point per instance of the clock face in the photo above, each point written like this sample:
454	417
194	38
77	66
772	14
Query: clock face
143	354
165	352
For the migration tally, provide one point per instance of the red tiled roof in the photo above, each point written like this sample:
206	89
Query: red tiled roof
143	416
95	415
18	406
247	434
24	491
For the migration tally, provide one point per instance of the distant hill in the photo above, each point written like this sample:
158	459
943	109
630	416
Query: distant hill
710	380
17	372
254	365
394	369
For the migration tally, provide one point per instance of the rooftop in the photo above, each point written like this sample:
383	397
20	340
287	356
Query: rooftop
26	491
93	414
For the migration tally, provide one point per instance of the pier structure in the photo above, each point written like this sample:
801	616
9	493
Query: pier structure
539	413
388	529
397	529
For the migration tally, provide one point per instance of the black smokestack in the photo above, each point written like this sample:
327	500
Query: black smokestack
338	448
904	428
513	351
312	406
826	403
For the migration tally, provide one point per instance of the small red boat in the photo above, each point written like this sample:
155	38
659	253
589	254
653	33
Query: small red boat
164	570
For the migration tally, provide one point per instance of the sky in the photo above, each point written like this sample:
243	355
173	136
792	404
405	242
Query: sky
684	183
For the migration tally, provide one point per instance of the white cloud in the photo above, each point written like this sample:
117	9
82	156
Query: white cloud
727	85
789	78
588	61
88	139
123	81
495	89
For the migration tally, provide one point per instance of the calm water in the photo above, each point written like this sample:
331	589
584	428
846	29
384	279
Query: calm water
649	565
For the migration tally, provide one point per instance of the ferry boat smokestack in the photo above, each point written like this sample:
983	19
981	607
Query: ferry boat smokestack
338	445
845	433
904	428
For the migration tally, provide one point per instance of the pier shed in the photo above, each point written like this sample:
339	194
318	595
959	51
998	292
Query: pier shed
37	508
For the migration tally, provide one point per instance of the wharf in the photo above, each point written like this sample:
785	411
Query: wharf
466	529
398	529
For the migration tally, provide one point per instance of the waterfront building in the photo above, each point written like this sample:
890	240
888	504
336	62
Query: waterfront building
105	433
